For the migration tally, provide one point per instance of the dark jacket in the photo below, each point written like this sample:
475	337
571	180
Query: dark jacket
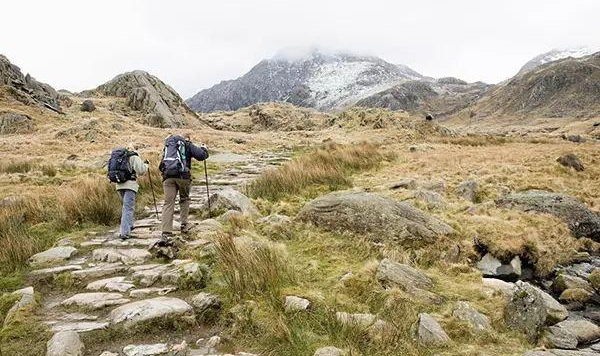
196	152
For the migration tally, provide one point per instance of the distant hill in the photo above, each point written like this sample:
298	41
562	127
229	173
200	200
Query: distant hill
439	97
554	55
565	88
315	80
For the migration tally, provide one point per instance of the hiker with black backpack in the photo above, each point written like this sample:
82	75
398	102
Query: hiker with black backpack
124	167
176	167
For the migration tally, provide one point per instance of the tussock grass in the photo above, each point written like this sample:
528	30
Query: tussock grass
330	165
92	200
252	268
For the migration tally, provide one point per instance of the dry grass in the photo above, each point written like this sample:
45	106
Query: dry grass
330	165
91	200
252	268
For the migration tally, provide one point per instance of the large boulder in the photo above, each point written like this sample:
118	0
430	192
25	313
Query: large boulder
530	309
231	199
65	343
13	123
162	106
430	332
374	215
561	338
582	221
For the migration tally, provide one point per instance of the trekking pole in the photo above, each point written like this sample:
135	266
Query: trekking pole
207	194
153	196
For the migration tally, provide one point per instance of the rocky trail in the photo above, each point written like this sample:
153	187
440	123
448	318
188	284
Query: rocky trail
104	284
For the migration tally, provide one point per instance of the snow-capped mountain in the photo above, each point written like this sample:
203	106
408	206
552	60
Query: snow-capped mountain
318	80
555	55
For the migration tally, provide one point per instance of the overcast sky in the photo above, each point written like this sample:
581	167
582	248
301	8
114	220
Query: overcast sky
192	45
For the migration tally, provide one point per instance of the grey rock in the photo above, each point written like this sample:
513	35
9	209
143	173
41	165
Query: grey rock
87	106
328	351
149	309
393	274
65	343
131	256
293	303
113	284
146	350
566	281
497	285
530	308
79	326
26	88
374	215
559	352
571	161
561	338
207	306
405	183
468	190
231	199
55	254
363	320
27	297
490	266
13	123
584	330
95	300
108	353
430	332
53	271
581	221
275	219
465	312
144	292
162	106
433	200
99	271
147	275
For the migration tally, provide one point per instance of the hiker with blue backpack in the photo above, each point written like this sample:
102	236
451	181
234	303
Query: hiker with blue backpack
176	167
124	167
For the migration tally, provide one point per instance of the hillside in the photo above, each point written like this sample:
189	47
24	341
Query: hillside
554	55
160	105
317	80
564	88
440	97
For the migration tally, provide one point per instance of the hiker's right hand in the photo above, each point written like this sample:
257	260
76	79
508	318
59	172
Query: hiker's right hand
203	145
147	162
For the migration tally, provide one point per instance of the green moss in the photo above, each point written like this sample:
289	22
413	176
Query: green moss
24	334
595	279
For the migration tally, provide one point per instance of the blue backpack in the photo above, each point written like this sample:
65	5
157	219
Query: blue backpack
119	169
173	163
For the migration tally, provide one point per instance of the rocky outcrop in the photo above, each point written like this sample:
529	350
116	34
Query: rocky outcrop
530	309
374	215
571	161
25	88
160	104
581	220
13	123
55	254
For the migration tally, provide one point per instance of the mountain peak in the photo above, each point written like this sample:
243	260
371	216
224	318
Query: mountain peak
311	77
555	55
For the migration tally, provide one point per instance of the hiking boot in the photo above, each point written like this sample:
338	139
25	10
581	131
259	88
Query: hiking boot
124	237
185	228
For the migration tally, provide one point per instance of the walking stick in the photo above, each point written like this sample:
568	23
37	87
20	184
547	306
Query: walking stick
207	194
153	196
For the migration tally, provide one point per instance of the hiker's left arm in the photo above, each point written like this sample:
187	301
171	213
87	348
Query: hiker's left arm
199	152
140	167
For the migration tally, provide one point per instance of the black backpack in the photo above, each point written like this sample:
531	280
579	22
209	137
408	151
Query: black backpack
119	169
173	164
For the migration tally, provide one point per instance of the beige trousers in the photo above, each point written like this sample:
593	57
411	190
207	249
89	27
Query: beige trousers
171	187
